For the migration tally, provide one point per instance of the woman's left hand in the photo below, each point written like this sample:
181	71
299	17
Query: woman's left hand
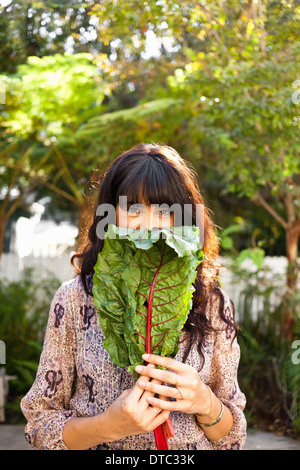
190	392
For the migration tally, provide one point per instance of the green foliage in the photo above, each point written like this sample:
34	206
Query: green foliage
236	111
24	313
266	367
23	166
226	96
46	101
126	274
225	102
51	96
39	28
255	254
224	236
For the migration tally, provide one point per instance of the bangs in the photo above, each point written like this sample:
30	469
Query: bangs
151	184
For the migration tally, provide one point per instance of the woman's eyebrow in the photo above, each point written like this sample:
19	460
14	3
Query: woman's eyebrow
130	203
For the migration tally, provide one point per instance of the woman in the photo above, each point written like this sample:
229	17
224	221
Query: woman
80	399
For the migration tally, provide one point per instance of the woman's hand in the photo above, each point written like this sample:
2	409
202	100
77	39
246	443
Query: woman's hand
190	392
131	413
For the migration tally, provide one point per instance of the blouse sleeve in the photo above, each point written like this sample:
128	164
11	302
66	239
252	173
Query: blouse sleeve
46	405
224	382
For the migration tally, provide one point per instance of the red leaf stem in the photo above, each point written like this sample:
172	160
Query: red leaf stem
164	431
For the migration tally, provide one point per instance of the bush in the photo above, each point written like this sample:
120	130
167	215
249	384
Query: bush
25	308
268	374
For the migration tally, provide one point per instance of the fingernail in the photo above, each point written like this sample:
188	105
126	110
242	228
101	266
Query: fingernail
150	399
145	356
142	384
139	368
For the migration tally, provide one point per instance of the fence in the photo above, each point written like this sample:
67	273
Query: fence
12	266
4	380
274	269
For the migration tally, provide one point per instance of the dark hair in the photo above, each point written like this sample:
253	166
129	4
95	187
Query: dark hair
161	175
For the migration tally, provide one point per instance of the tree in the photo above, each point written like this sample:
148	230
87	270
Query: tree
236	91
225	100
43	110
248	125
35	28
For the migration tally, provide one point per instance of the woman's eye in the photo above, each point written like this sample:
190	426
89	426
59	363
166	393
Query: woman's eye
166	212
133	210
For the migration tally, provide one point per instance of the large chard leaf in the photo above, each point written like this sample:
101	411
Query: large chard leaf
110	294
143	289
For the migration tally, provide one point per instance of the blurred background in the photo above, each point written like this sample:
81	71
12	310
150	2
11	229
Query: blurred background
80	82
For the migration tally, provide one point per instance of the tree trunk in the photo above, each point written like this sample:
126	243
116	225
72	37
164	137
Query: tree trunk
289	314
3	224
85	220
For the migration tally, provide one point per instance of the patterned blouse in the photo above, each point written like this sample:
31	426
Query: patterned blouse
76	378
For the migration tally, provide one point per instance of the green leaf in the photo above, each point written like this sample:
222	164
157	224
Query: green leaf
227	243
143	287
256	254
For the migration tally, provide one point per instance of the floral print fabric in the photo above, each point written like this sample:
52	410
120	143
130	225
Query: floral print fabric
76	378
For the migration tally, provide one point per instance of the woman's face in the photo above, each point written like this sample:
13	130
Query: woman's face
137	216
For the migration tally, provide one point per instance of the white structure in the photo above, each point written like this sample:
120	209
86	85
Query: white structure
273	271
42	238
4	379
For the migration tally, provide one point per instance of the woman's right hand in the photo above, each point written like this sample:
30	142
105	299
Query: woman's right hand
131	414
